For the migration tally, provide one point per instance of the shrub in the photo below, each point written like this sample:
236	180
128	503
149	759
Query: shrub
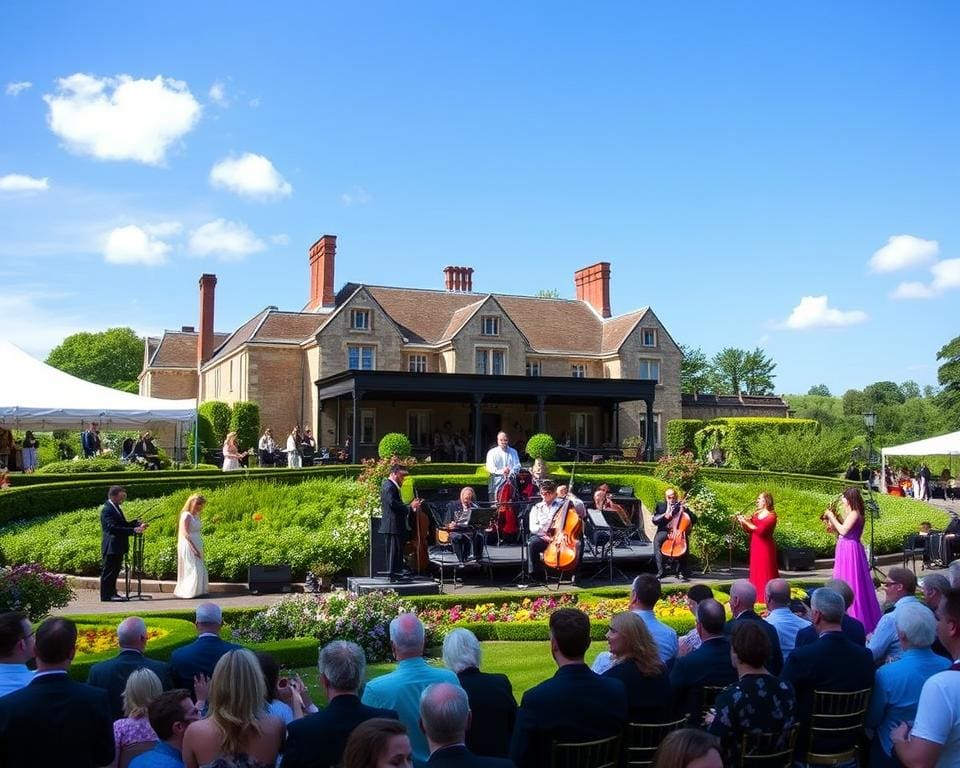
33	591
79	466
737	434
541	446
804	451
679	470
394	444
681	434
245	421
709	536
202	438
217	415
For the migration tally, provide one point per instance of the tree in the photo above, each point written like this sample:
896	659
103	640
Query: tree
948	375
855	402
737	370
883	393
819	389
112	358
548	293
759	373
695	371
909	389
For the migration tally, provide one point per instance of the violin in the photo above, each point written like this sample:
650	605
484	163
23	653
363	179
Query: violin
565	531
675	544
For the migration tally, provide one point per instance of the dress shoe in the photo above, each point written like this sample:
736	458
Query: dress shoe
118	599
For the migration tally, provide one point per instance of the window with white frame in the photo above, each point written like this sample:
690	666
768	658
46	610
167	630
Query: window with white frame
533	367
490	325
417	363
582	427
656	428
361	357
578	371
649	369
491	361
648	337
418	428
368	425
360	319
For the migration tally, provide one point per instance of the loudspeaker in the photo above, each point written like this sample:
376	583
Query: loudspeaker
797	558
377	549
263	579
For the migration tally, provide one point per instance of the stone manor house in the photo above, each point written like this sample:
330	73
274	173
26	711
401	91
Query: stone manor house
368	359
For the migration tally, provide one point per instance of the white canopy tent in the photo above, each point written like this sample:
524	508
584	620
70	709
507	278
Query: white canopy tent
941	445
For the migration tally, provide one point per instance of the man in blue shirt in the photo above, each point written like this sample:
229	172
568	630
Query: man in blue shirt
644	595
16	649
779	615
901	588
170	714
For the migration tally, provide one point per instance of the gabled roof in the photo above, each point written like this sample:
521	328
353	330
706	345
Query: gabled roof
423	316
271	326
177	349
554	325
616	329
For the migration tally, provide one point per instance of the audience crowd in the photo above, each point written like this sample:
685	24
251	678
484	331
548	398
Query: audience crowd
726	688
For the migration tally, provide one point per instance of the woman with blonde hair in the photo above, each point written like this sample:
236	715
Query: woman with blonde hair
192	578
237	732
378	743
688	748
636	661
231	454
143	686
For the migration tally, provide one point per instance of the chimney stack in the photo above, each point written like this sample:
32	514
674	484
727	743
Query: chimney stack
208	284
458	279
593	286
322	255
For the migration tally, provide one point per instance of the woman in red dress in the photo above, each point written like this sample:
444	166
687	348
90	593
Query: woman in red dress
763	550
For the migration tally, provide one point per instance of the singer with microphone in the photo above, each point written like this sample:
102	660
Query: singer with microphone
115	542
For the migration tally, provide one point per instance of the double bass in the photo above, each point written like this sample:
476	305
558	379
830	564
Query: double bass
416	550
675	544
566	528
507	524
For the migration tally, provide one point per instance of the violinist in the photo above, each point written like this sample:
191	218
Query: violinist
542	515
665	518
503	463
466	540
395	523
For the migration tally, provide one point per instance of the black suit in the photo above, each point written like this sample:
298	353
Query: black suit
575	704
458	756
198	658
465	540
851	628
494	711
650	699
116	531
56	722
832	663
775	663
663	527
395	525
708	665
317	740
111	676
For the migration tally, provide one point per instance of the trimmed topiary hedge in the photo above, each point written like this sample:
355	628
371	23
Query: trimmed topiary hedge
735	435
73	467
681	434
245	421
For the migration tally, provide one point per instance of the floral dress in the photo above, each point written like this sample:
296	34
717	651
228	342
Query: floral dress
755	704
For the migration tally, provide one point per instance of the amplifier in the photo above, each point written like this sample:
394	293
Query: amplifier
797	558
263	579
377	549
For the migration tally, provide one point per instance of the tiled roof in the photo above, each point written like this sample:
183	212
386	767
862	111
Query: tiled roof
423	316
555	325
272	326
178	349
616	329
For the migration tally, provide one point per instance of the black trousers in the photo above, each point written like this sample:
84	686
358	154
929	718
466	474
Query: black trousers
536	546
683	562
466	543
109	573
394	546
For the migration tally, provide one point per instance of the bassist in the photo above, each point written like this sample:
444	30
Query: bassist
665	517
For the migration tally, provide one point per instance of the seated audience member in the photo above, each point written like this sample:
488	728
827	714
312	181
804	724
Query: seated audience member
318	740
901	588
287	698
743	598
953	573
636	663
934	587
237	727
709	665
897	686
573	705
644	595
201	656
688	748
935	736
691	641
378	743
16	649
170	714
54	721
444	719
493	709
832	663
142	688
112	674
758	702
780	617
851	627
400	690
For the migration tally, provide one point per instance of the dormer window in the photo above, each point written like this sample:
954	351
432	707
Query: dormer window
360	319
490	325
648	337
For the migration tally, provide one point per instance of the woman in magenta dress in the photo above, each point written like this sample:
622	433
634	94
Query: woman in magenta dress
850	560
763	549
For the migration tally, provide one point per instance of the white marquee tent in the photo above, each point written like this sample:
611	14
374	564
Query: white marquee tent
941	445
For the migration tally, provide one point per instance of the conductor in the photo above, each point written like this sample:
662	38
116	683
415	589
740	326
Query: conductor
395	522
115	542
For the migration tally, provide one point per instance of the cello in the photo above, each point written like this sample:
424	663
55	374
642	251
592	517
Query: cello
416	549
506	514
562	552
675	544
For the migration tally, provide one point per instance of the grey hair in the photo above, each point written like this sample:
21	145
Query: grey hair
444	711
830	604
936	581
344	664
845	590
917	624
954	569
461	650
407	633
209	613
130	630
745	591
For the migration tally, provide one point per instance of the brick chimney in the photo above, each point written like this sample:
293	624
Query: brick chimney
322	255
593	286
458	279
208	284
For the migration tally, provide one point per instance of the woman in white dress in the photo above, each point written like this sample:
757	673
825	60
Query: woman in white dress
231	454
191	570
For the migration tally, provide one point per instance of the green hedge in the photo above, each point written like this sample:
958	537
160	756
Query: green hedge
245	421
102	464
446	468
736	435
831	485
681	434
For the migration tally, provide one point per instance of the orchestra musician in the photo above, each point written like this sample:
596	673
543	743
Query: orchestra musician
503	463
665	517
466	540
541	517
395	523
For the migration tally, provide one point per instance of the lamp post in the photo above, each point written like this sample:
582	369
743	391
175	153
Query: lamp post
871	508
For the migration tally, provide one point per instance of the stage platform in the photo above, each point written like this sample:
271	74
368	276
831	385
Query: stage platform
422	585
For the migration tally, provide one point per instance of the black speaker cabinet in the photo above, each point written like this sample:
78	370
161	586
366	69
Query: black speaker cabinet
377	549
797	558
263	579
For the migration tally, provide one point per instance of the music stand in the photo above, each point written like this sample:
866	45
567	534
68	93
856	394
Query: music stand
137	568
600	523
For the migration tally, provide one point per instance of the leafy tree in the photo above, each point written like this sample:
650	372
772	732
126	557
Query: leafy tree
112	358
855	402
909	389
759	373
695	371
819	389
883	393
948	375
737	370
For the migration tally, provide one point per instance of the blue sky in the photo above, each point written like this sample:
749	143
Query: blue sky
728	159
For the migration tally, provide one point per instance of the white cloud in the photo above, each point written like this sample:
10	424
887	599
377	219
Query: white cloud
218	94
251	176
121	118
16	88
229	240
280	239
17	182
814	312
358	196
913	290
946	274
137	245
902	251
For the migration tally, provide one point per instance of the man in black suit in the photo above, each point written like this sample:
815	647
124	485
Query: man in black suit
708	665
395	523
851	627
444	720
743	597
55	721
317	740
466	541
664	517
574	705
111	675
833	663
202	655
115	541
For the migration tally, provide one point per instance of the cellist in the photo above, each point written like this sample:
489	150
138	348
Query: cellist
665	518
541	518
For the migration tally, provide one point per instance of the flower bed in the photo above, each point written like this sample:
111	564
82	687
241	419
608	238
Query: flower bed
97	639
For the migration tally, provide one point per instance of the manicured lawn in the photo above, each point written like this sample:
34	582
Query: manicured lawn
525	663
